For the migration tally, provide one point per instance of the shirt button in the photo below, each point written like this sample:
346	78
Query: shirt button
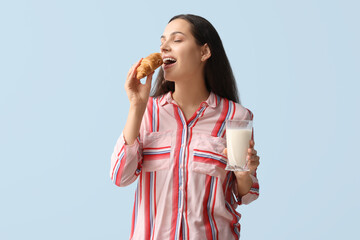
181	188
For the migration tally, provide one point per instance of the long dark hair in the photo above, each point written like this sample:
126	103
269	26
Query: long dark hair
219	77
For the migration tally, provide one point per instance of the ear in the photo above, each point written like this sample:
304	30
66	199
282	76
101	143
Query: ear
205	52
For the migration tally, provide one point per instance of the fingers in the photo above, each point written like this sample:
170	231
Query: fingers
225	152
253	160
252	151
252	157
132	71
148	80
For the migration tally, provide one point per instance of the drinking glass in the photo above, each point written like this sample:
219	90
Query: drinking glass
238	136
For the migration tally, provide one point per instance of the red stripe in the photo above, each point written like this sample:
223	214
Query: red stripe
154	202
232	115
119	173
209	161
221	118
150	113
251	114
175	192
141	188
212	210
255	193
181	232
154	157
133	219
255	185
205	211
226	182
147	207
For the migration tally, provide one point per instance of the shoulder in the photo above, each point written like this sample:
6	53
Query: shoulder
239	111
243	113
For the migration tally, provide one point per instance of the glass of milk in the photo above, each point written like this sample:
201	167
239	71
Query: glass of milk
238	136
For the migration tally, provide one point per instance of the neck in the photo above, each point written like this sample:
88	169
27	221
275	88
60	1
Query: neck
190	93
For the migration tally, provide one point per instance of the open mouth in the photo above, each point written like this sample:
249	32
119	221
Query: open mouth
169	61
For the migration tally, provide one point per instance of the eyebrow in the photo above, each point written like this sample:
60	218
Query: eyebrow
173	33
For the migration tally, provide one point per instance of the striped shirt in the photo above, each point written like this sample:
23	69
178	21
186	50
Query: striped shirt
183	190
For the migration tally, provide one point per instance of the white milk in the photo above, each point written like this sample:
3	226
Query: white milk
237	141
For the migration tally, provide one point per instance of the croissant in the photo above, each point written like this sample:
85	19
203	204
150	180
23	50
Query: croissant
148	65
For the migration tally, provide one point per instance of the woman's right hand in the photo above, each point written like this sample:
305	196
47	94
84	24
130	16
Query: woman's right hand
137	92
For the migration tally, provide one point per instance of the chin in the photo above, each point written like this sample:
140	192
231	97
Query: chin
169	78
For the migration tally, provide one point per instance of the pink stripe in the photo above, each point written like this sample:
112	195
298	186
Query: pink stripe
234	221
234	109
251	114
117	160
187	174
157	148
212	153
157	114
133	220
175	192
226	182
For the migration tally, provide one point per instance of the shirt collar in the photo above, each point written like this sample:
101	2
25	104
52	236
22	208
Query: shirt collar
212	100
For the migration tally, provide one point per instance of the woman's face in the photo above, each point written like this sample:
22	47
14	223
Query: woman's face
181	54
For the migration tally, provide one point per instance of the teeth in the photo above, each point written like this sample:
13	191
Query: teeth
169	60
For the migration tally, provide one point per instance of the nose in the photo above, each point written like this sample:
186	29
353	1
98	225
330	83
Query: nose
164	47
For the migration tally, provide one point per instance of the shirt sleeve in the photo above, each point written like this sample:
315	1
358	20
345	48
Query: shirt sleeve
252	195
125	162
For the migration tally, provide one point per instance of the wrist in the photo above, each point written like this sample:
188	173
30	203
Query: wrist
244	182
137	108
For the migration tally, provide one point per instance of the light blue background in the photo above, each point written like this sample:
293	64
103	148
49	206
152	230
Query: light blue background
63	66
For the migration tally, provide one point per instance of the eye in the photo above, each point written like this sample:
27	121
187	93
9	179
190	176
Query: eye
177	40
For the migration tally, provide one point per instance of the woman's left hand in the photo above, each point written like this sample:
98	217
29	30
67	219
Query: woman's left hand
253	158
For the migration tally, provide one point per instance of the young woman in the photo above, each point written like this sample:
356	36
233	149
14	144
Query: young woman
174	141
